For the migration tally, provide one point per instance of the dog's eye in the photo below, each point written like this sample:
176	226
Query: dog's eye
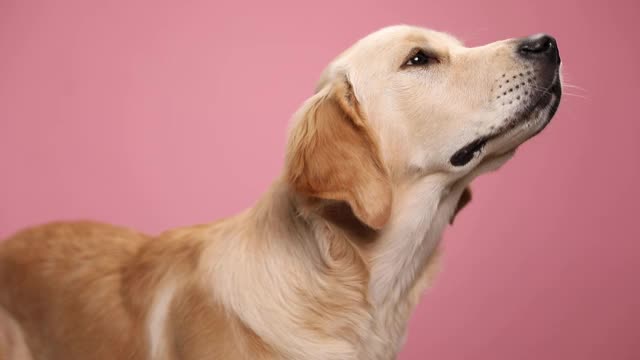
418	59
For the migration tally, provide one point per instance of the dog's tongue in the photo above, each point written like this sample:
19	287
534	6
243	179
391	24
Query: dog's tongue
466	154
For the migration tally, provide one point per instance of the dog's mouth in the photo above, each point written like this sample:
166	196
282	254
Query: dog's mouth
547	99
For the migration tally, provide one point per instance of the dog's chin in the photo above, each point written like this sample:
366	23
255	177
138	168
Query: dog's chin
525	123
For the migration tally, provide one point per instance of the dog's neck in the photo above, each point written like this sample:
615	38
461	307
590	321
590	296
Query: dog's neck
396	254
400	253
363	282
396	257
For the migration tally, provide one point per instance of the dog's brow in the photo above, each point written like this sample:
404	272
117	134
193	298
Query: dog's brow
417	38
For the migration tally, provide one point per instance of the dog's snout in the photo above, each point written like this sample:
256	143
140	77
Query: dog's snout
541	46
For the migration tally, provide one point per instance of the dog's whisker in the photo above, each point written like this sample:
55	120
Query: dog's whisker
541	89
564	84
575	87
564	93
575	95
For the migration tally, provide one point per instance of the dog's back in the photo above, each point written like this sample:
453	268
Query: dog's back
77	290
62	279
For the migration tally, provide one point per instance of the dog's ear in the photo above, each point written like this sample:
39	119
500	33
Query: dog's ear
333	155
465	198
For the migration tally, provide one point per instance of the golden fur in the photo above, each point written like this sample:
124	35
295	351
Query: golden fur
328	264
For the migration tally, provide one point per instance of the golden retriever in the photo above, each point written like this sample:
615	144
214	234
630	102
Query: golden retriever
331	261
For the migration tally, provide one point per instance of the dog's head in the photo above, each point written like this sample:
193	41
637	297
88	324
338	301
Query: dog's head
406	102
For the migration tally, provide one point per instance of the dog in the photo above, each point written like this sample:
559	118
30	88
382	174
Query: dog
331	261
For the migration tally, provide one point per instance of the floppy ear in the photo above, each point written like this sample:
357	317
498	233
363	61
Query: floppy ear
465	198
333	155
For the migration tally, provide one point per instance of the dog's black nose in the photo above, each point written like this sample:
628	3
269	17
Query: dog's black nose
541	46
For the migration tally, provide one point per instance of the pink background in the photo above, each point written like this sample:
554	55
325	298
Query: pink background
157	114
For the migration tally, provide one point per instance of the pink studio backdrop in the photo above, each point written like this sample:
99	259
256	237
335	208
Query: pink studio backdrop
161	114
